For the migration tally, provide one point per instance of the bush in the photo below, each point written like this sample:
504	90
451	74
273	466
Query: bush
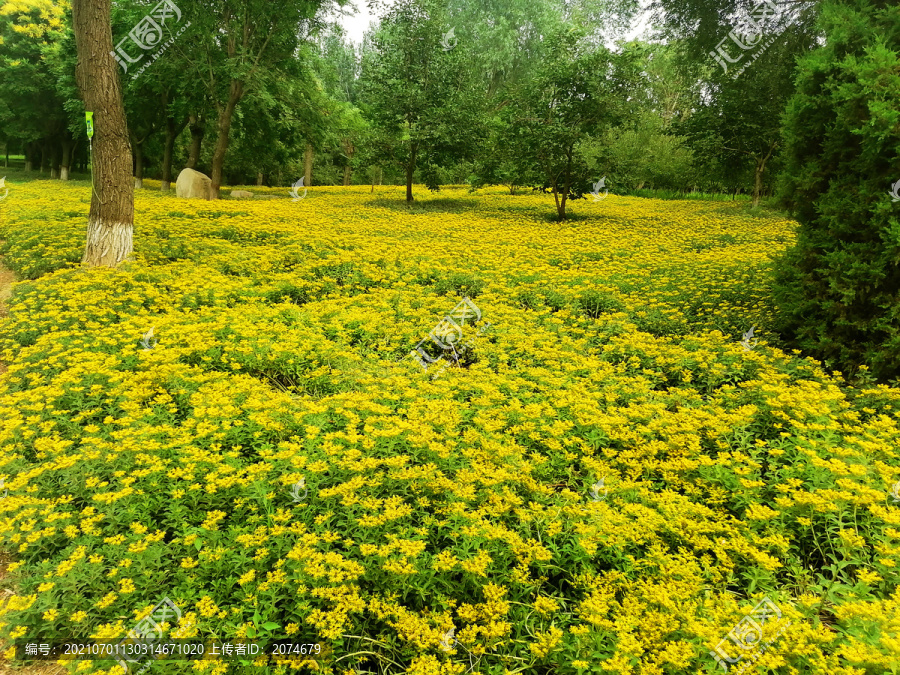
837	290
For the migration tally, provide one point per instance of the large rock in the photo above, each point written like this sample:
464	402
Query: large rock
193	185
241	194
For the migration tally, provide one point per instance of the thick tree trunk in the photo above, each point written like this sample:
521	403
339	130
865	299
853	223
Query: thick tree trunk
307	165
66	160
346	175
198	129
223	128
111	218
29	157
43	156
259	178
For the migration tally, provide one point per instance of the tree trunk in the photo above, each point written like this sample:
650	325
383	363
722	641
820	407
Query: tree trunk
66	160
198	129
43	156
259	178
138	164
410	168
348	150
172	132
111	218
54	159
307	165
29	157
223	128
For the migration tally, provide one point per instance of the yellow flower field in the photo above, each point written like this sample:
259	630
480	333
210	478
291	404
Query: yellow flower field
607	482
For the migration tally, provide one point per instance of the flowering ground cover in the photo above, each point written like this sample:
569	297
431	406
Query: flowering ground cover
606	482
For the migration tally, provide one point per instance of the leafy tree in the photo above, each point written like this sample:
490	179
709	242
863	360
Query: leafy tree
580	91
418	86
30	107
243	45
839	289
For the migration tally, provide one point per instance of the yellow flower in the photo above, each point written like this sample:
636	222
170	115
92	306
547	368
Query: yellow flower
546	642
544	605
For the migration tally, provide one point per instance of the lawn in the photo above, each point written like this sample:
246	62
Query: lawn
606	481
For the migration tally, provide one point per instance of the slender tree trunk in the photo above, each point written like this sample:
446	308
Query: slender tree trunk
307	165
173	130
223	128
410	168
259	178
111	218
198	129
138	165
348	150
66	160
54	163
758	174
380	175
43	156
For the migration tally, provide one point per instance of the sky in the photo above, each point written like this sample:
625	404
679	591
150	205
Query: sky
358	24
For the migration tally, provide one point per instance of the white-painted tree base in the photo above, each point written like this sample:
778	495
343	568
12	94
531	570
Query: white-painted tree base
108	244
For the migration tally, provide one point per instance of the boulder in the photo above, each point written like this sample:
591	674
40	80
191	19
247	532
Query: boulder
241	194
193	185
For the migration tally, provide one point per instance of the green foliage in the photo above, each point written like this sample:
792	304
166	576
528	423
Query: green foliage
420	92
838	288
578	91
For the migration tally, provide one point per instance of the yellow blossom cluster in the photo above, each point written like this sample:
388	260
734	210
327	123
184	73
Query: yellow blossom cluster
608	482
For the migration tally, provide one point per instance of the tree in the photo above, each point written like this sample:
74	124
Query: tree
111	217
244	44
838	289
31	109
418	86
579	91
744	52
